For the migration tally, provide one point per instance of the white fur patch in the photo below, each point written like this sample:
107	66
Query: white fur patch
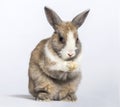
60	65
70	46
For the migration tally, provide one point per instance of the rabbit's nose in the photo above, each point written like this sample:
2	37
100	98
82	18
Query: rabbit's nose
70	54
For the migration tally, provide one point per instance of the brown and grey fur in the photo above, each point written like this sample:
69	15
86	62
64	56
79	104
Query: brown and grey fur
46	84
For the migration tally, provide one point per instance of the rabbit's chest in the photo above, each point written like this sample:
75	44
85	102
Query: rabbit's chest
56	63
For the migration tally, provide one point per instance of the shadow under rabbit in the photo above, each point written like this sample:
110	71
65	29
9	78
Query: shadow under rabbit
23	96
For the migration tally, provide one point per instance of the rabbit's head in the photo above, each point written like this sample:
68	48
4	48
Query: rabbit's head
65	41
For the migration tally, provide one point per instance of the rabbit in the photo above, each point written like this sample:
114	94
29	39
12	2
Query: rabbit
54	67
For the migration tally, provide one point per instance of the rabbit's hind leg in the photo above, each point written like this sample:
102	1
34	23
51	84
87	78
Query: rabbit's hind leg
43	96
31	88
46	91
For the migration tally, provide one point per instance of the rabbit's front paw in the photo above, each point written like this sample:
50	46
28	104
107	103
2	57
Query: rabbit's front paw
70	97
72	65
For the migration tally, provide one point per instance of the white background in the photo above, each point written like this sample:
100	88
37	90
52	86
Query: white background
23	24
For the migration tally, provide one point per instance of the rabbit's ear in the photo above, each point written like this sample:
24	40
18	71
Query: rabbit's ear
52	17
80	18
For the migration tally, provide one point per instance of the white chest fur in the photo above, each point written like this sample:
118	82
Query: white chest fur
60	65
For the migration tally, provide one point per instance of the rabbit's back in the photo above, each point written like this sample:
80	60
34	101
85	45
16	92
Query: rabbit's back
38	52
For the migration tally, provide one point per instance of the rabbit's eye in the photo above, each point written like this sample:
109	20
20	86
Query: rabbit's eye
77	40
61	39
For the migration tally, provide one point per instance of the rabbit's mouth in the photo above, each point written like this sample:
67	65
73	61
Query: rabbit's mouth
71	58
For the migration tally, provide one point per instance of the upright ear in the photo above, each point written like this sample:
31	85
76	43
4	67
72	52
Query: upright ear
52	17
80	18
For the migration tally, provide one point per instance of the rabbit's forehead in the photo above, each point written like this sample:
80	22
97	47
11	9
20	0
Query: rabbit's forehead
67	27
71	42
